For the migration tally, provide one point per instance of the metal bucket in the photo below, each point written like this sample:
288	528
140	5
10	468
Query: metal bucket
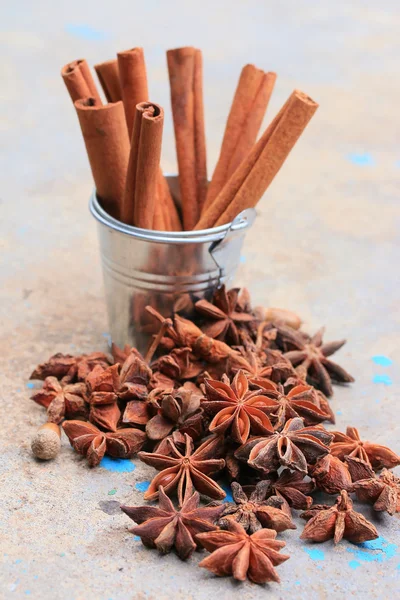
169	271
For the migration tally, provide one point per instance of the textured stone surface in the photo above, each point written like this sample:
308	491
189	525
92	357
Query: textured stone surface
325	244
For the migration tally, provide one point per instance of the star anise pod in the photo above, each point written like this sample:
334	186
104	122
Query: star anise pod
164	527
73	368
186	471
350	444
62	401
302	401
224	319
292	488
280	316
267	364
179	364
236	553
236	408
204	347
382	491
321	399
331	474
310	357
89	441
294	446
180	410
256	511
103	385
337	522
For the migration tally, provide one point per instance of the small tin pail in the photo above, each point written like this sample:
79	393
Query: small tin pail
169	271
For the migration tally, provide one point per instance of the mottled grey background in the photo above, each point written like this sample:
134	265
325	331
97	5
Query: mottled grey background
325	245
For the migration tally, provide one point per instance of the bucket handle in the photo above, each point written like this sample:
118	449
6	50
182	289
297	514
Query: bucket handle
219	250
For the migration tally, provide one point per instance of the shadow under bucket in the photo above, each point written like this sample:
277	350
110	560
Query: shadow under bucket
169	271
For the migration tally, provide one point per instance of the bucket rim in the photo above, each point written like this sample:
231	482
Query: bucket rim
214	234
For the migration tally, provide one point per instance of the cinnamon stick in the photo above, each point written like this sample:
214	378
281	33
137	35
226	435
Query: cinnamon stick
248	108
108	75
107	144
250	180
133	78
185	76
79	81
140	197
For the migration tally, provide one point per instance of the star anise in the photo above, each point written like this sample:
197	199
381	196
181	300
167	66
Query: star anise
178	365
186	471
331	474
89	441
103	385
310	357
267	364
164	527
236	408
63	401
294	446
180	410
293	488
74	368
224	318
337	522
302	401
256	511
350	444
382	491
236	553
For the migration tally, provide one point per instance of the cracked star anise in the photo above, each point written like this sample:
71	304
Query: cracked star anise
338	521
350	444
331	475
163	527
302	401
292	488
236	553
382	491
222	318
179	364
62	401
89	441
103	387
236	408
310	358
256	511
295	446
179	410
72	368
187	470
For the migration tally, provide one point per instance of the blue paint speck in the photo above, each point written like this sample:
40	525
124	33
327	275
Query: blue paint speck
18	561
136	538
27	592
339	412
382	360
85	32
315	553
142	486
385	379
30	385
228	492
354	564
361	159
242	259
379	550
117	465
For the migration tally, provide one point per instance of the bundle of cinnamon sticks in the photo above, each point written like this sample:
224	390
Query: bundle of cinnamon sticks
123	139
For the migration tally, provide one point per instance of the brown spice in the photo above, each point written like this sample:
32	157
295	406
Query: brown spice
337	522
236	553
350	444
164	527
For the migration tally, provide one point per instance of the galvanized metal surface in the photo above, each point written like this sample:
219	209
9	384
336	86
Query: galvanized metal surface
165	270
325	243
